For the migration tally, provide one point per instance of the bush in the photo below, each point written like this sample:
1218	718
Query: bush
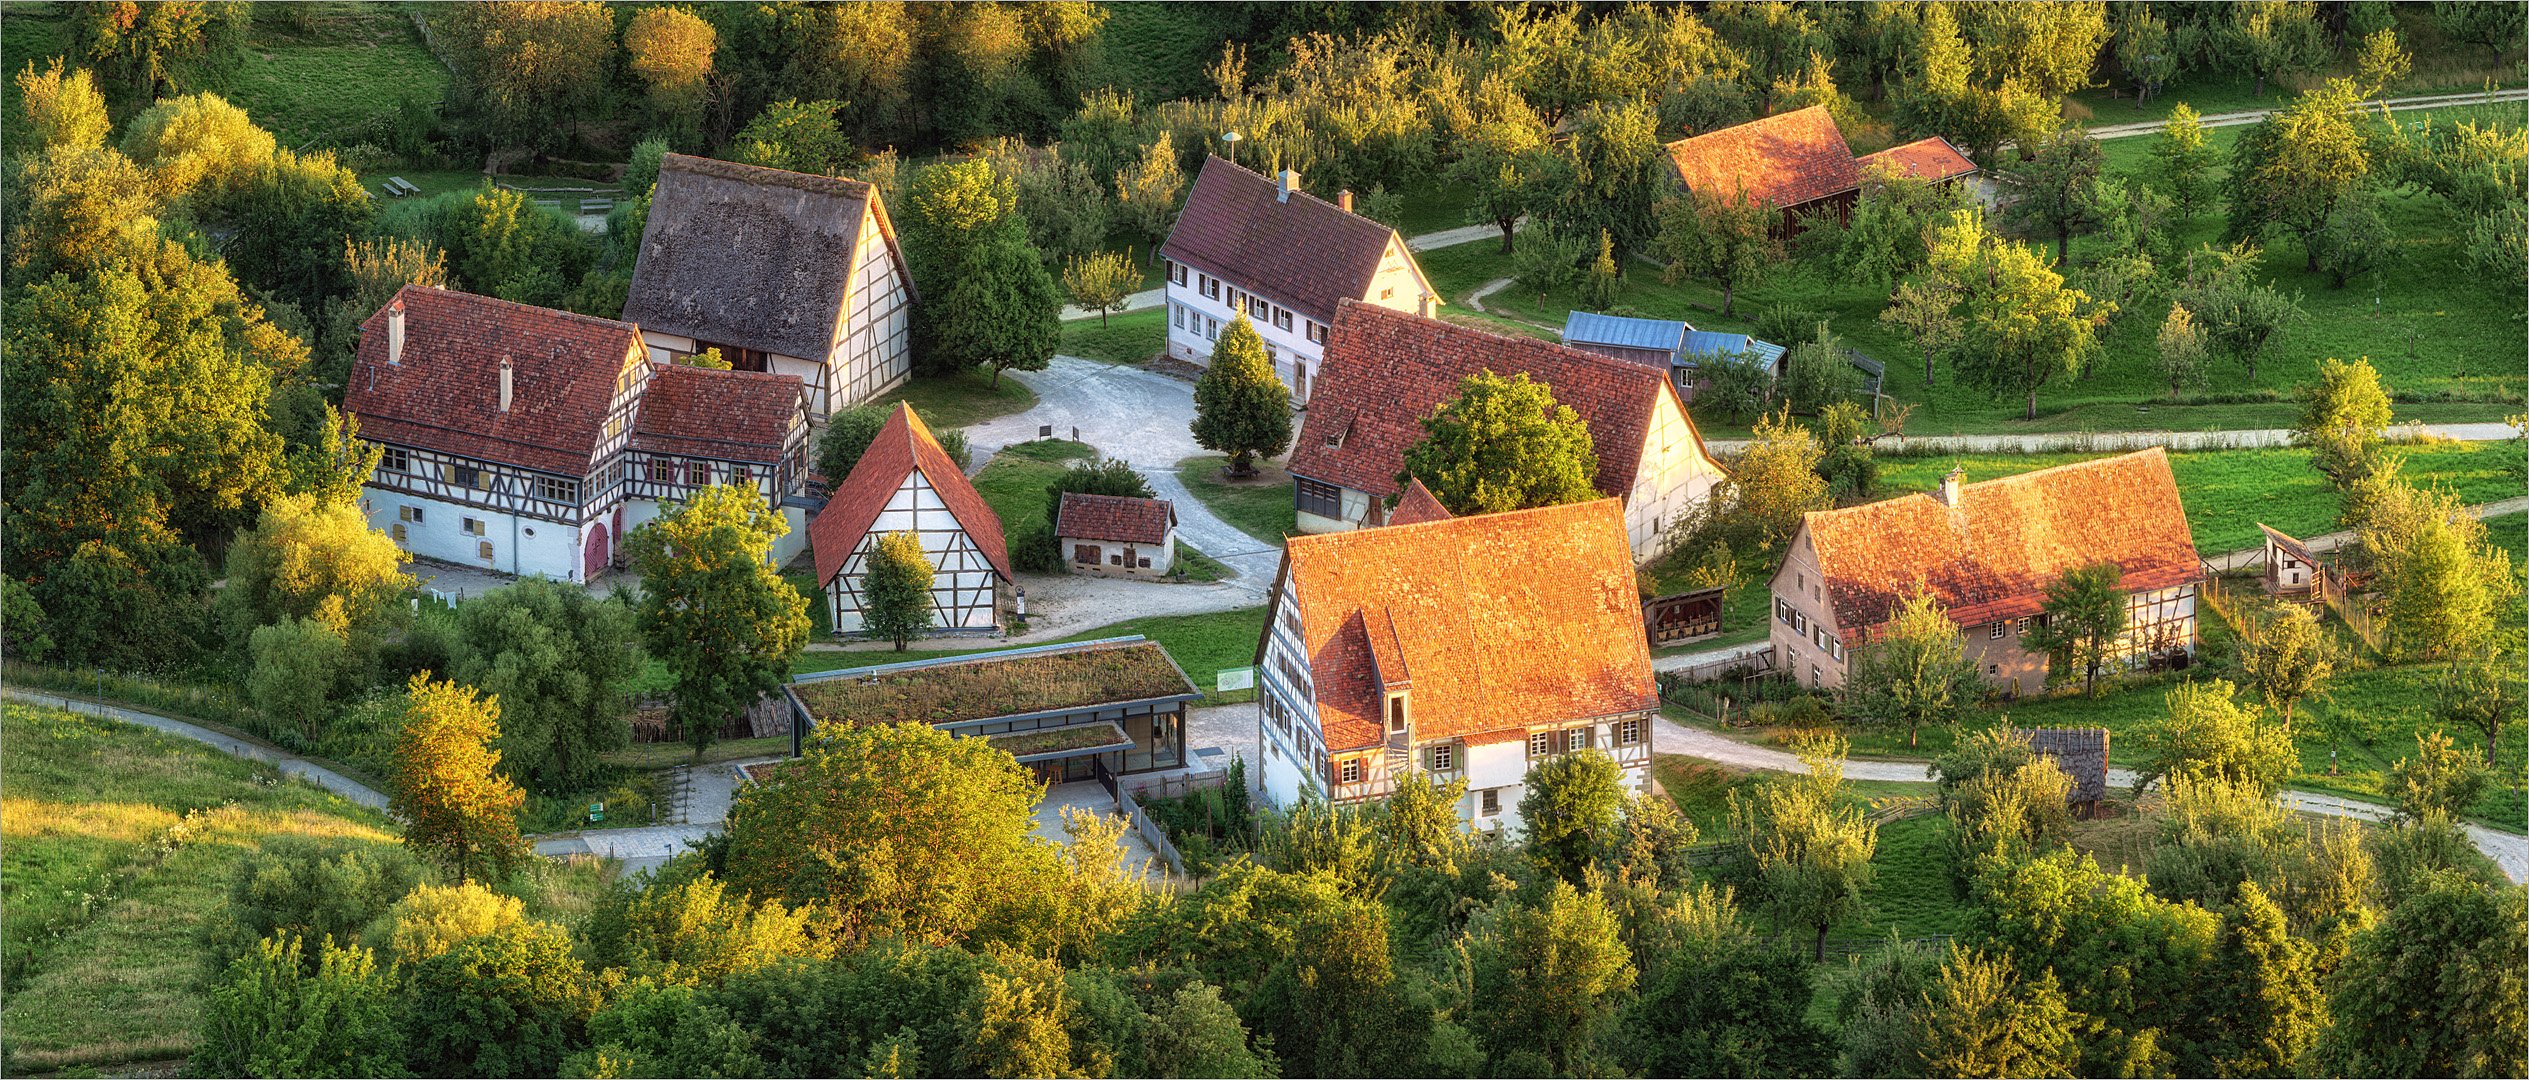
311	888
271	1015
1784	324
510	1003
433	919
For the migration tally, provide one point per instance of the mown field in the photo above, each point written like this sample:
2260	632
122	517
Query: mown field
118	845
2430	329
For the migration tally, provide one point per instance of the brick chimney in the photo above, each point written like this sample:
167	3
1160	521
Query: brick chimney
507	381
1344	199
1285	182
395	331
1950	485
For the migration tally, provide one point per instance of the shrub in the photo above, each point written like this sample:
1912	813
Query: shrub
433	919
270	1015
310	888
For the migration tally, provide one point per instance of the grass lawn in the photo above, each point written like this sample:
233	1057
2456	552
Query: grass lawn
1201	644
1912	893
968	397
664	755
1193	565
1015	480
2426	333
1129	338
2227	492
337	78
119	843
1261	507
1157	52
1430	206
2440	66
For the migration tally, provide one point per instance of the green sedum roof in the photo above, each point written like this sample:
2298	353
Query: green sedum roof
988	686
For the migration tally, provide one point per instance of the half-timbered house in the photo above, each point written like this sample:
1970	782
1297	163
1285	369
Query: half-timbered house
904	482
697	427
502	427
782	272
1986	552
1471	648
1387	370
1259	246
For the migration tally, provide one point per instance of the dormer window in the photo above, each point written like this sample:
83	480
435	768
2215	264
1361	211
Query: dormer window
1396	713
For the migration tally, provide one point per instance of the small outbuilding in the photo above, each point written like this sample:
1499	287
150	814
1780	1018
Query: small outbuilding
1116	535
2082	753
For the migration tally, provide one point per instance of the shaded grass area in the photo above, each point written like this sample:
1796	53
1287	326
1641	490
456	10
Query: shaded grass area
1014	482
119	843
1201	644
1157	52
1132	337
662	755
1260	507
2440	66
954	401
1912	893
1193	565
331	74
2427	333
2227	492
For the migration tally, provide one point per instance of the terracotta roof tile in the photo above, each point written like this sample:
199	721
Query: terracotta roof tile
1924	159
444	394
750	256
728	415
1305	253
1418	505
1993	556
1119	518
1499	621
1385	370
903	446
1783	160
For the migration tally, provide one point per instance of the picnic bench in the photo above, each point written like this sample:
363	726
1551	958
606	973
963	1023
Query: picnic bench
400	187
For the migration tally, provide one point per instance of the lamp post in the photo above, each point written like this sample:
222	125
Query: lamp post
1231	138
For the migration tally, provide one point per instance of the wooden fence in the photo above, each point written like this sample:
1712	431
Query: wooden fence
1142	823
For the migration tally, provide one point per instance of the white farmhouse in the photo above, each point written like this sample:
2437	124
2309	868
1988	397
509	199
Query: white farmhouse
904	482
1284	258
1470	648
782	272
1386	370
524	440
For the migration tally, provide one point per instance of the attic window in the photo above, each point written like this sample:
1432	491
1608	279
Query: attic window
1334	438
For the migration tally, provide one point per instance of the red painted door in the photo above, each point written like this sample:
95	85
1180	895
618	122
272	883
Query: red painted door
597	554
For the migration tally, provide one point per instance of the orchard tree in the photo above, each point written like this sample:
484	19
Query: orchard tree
2182	162
2271	37
1727	239
1570	809
1001	312
1611	173
2435	990
2001	795
2498	27
1547	975
150	44
2481	692
2290	171
1926	309
904	829
2344	423
713	608
1101	283
1808	846
1603	280
2440	780
1503	444
2020	326
799	136
1503	156
1883	241
563	665
2144	52
1241	407
2054	189
2288	658
197	144
456	806
1915	670
2207	734
896	589
1775	480
1984	1017
2445	586
2180	350
295	666
2242	318
2084	615
1149	191
669	49
2267	1007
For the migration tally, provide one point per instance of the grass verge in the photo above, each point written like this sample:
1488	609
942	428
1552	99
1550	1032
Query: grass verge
1129	338
968	397
1260	507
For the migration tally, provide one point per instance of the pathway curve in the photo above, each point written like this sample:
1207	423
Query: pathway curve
1475	300
287	762
2116	441
2250	116
2508	850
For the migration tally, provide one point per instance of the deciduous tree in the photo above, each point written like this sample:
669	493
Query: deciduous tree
2440	779
2053	189
670	49
2288	658
2020	326
1241	407
562	664
2181	350
1915	670
2481	692
1148	192
2084	615
1927	311
305	560
801	136
2436	989
268	1014
1729	239
2208	734
2182	162
2344	422
1809	848
713	608
1503	444
1983	1017
2271	37
1547	974
296	665
1775	480
1570	809
896	590
523	70
456	806
2289	173
1102	282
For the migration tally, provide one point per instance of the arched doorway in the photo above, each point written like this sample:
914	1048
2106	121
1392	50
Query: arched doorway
597	556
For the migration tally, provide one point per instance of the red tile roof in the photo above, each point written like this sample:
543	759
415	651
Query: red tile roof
1784	160
1385	370
1304	252
1418	505
1924	159
444	393
1993	556
727	415
902	447
1499	621
1119	518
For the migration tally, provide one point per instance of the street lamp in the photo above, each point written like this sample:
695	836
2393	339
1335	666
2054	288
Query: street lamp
1231	138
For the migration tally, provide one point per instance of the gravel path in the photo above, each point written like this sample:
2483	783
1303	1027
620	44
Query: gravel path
2250	116
289	763
2116	441
1475	300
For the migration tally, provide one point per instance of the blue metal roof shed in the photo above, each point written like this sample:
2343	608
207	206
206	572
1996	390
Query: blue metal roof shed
1700	344
1624	332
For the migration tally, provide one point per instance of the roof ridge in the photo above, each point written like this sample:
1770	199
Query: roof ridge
1602	360
442	290
765	174
2051	469
1365	219
1770	118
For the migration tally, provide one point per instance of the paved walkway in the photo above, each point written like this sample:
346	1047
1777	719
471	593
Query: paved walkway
287	762
2508	850
2250	116
2118	441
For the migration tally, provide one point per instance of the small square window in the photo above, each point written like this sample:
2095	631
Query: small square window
1352	770
1576	739
1145	562
1540	744
1492	801
1628	732
1388	293
1282	318
474	526
395	460
1316	332
1995	632
1444	758
2020	625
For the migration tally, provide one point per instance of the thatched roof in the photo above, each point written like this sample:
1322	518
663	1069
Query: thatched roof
749	256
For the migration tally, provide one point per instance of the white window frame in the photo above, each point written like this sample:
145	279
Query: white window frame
1316	332
1349	772
1444	757
1628	732
394	459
